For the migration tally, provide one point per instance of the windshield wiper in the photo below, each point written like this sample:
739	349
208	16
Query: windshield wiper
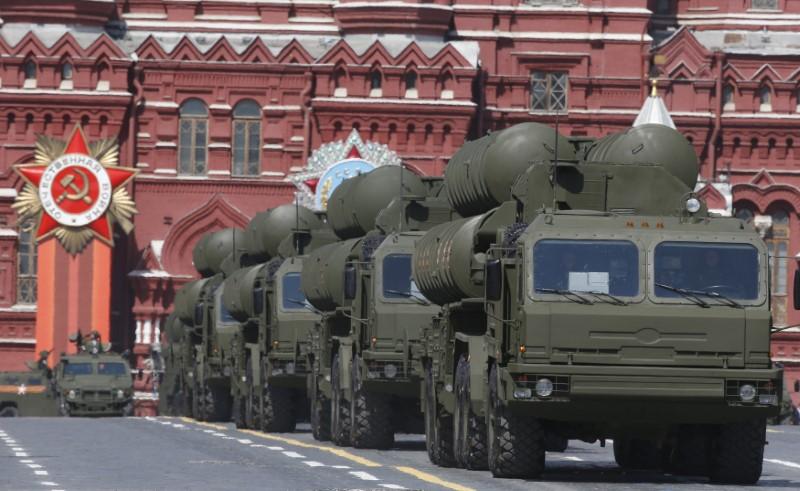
419	300
725	299
687	294
609	298
568	294
304	305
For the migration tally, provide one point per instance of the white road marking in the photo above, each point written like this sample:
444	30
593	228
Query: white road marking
340	466
294	455
26	462
257	445
366	476
313	463
34	466
275	448
165	422
208	431
40	473
21	454
17	449
48	483
786	463
178	425
392	486
228	438
245	441
219	434
573	459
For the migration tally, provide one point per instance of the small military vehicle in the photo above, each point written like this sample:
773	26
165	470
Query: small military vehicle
28	393
598	299
93	382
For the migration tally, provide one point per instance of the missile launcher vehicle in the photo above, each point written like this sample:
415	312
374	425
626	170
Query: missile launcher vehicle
598	300
364	385
269	365
209	329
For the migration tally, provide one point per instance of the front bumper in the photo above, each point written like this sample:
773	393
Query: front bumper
98	408
642	393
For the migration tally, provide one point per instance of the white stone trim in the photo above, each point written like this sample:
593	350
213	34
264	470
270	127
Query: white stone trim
8	232
172	172
281	108
64	92
382	100
166	145
226	146
8	193
222	26
167	104
17	340
555	36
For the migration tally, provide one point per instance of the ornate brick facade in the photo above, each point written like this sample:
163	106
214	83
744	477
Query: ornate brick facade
177	81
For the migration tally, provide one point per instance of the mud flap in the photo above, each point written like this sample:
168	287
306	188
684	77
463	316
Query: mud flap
478	361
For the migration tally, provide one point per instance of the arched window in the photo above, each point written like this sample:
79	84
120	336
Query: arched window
375	83
728	101
765	99
66	76
339	80
446	86
29	70
26	262
411	85
246	139
193	140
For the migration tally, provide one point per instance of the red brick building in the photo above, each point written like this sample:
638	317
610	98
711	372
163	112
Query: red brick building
218	103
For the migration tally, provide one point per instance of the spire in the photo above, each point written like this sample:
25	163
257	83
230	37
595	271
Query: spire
654	111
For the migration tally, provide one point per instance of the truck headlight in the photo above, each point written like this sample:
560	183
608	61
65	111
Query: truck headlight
747	392
544	387
692	205
390	370
72	394
290	368
120	394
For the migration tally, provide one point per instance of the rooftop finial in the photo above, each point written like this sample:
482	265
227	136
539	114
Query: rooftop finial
653	87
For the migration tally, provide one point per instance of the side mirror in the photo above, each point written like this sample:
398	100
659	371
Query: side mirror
349	282
493	280
198	314
258	301
797	289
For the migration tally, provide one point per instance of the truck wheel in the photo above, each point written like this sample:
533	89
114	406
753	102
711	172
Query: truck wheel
9	412
340	412
739	452
372	416
438	426
637	454
320	416
469	431
217	404
253	410
278	414
518	445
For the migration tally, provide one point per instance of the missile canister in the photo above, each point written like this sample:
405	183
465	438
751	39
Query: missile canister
174	329
480	175
237	292
356	202
212	249
322	279
650	143
268	228
186	299
443	261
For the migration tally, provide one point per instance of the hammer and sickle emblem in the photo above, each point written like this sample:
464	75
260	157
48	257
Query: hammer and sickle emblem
78	193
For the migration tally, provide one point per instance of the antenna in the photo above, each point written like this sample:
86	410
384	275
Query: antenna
555	170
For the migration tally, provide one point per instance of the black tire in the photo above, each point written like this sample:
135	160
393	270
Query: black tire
372	416
469	431
438	426
253	411
217	404
516	442
340	412
9	412
555	443
320	415
635	454
739	453
278	411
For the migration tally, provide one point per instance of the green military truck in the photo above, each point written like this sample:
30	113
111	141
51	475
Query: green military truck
173	399
269	364
601	301
364	385
28	393
93	382
209	329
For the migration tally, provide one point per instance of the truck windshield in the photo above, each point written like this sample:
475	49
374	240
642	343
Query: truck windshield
397	280
78	369
601	266
293	296
111	369
225	316
712	269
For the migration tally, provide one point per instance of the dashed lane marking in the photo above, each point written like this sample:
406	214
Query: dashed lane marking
424	476
392	486
245	441
17	449
257	445
48	483
40	473
340	467
26	462
366	476
21	454
786	463
294	455
313	463
770	430
274	448
34	466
